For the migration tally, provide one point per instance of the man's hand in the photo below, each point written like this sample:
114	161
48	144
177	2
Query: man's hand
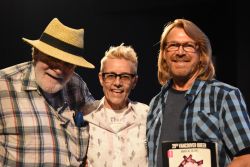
240	161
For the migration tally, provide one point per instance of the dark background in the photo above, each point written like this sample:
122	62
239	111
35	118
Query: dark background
138	23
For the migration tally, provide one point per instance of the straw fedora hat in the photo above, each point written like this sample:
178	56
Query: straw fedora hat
62	42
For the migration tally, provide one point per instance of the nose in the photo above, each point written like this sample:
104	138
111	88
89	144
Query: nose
180	50
117	81
61	66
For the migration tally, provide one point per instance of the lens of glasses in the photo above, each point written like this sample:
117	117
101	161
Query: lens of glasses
111	77
187	46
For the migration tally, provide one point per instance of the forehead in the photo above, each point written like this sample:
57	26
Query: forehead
118	65
45	57
178	34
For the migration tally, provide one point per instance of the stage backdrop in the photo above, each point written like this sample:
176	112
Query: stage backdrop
138	23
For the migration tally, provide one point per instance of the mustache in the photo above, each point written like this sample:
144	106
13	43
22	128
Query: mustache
180	58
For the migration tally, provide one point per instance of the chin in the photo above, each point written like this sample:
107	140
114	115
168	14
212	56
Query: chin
117	104
52	88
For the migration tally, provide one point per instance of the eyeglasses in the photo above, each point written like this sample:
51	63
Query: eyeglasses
111	77
53	62
187	46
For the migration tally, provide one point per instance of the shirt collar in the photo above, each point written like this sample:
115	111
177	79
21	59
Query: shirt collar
29	81
194	90
191	93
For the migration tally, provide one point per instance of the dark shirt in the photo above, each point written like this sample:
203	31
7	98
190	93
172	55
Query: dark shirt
170	124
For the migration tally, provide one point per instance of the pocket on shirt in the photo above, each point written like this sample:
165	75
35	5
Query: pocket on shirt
206	125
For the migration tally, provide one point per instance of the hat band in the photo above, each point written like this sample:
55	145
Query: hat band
50	40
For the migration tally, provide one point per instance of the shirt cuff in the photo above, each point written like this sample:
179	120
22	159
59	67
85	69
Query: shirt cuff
243	152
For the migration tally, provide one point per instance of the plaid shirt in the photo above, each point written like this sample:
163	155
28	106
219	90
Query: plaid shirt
215	112
32	133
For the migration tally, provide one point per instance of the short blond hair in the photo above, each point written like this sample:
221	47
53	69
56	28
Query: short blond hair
120	52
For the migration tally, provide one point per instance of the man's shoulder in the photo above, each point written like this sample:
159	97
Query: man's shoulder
76	80
219	85
12	71
90	107
139	106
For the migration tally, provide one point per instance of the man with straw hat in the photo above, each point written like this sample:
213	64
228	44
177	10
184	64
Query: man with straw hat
39	100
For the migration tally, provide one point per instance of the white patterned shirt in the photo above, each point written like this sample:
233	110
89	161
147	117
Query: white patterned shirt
117	139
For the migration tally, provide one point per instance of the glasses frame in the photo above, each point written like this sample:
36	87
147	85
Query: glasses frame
122	77
176	46
53	62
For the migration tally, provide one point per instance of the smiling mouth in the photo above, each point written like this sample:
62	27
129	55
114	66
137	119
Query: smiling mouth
56	78
117	91
181	61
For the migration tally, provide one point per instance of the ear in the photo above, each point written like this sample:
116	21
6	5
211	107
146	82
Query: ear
100	78
35	55
135	81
